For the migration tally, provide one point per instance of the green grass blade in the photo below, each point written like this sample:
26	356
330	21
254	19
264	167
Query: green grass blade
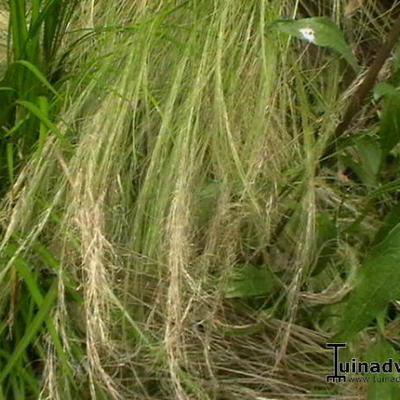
35	71
41	16
43	130
18	28
10	162
43	118
16	127
7	89
31	331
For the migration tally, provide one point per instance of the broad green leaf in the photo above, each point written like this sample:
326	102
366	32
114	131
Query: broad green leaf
378	284
381	351
383	89
389	132
369	161
326	236
248	280
320	31
389	222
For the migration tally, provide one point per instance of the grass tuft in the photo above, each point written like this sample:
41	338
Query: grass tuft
170	228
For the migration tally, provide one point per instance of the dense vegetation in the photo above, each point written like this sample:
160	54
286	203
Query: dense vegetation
194	200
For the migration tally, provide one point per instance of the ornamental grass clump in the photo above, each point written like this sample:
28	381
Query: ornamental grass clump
170	228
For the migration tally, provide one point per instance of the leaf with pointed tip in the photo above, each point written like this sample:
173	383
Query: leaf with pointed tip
248	280
379	284
321	31
389	131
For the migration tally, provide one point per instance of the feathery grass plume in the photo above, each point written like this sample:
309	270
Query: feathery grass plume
194	140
